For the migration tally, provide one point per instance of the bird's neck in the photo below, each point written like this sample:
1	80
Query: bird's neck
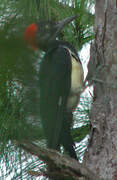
57	43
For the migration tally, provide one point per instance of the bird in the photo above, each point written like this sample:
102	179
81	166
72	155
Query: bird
60	82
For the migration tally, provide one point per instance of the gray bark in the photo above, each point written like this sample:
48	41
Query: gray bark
101	156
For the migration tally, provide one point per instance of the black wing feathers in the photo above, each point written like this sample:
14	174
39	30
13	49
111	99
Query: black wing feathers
55	82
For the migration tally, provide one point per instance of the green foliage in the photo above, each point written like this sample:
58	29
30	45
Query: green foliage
80	31
19	78
15	164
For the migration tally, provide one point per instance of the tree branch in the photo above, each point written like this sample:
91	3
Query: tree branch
59	166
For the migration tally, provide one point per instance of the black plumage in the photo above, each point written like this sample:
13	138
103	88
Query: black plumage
60	81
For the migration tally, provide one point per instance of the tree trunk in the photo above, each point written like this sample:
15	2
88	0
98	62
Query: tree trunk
101	156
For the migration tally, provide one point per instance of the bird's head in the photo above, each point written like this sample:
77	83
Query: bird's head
40	34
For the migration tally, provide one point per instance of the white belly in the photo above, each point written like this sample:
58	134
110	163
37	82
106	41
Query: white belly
76	84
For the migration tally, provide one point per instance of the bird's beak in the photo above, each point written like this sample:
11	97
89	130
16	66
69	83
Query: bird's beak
61	24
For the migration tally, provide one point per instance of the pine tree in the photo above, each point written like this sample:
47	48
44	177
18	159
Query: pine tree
19	116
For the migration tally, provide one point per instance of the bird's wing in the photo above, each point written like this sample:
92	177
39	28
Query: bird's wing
55	83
